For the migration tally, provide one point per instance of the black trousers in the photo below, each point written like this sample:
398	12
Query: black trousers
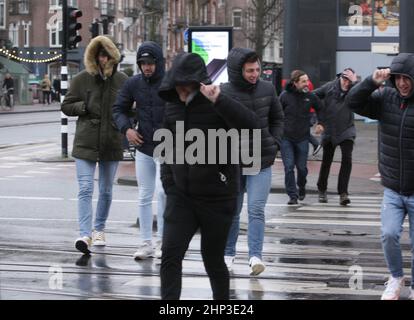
182	218
347	148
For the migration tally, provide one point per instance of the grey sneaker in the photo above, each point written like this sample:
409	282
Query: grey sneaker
144	251
323	197
344	200
98	238
393	288
229	260
158	251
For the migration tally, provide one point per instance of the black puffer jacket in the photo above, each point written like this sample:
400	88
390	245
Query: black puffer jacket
297	106
144	92
396	117
260	98
201	181
338	118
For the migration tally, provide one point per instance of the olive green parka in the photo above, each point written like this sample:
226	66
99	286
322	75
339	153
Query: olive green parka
90	98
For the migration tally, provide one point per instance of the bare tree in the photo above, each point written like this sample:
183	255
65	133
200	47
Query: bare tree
263	23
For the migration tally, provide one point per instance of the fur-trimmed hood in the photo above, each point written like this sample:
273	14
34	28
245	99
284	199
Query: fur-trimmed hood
91	53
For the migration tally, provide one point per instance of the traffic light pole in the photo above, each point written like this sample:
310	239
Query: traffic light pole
64	79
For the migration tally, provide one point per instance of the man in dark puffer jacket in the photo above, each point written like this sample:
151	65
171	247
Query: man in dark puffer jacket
199	196
142	90
244	71
394	108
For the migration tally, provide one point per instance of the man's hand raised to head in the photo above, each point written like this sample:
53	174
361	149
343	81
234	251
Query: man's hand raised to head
380	76
211	92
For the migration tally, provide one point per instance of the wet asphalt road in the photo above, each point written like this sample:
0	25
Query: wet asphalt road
311	251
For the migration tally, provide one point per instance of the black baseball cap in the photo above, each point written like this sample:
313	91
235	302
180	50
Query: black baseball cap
146	57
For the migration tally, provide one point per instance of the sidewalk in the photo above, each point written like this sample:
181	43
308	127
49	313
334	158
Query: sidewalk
32	108
364	179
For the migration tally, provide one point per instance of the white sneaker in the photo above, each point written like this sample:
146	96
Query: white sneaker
256	266
98	238
393	290
411	297
229	260
158	251
145	251
83	244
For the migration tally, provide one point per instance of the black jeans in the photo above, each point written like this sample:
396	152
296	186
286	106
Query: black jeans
347	148
182	218
46	97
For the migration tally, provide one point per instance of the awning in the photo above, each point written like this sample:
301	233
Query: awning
13	67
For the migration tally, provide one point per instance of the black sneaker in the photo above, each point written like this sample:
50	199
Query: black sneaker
323	197
293	202
302	194
344	200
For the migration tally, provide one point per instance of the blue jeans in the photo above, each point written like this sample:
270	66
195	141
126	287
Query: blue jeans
86	172
148	171
395	208
295	154
258	189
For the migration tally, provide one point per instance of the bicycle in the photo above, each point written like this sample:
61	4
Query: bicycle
3	99
7	99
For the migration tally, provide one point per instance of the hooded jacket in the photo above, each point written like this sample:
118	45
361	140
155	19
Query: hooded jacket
144	92
90	98
297	108
202	181
338	118
261	98
396	116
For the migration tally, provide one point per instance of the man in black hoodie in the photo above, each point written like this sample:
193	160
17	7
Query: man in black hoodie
393	107
199	196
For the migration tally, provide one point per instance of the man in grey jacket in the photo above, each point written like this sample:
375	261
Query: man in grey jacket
339	131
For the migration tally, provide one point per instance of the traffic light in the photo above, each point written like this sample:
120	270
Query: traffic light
73	27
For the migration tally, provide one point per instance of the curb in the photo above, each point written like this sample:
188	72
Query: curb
276	189
29	111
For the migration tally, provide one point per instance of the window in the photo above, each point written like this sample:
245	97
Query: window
57	4
26	31
213	14
14	34
55	34
2	14
205	13
237	19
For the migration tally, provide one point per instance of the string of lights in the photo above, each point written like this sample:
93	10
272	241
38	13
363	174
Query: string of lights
12	54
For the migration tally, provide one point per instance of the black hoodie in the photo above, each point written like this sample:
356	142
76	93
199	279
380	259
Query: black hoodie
396	116
201	181
260	98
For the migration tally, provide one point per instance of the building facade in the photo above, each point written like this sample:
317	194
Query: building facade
361	34
33	30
